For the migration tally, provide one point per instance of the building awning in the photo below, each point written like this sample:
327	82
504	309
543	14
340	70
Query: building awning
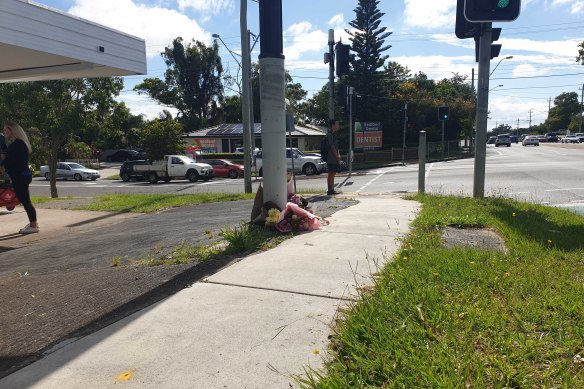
38	43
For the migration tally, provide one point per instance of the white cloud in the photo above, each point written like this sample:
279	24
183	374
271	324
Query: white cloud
143	105
213	7
157	26
576	6
430	14
301	39
337	21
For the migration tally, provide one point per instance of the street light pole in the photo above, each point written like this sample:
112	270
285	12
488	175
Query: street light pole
498	63
581	103
245	112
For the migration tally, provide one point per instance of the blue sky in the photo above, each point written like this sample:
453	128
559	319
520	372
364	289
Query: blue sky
543	42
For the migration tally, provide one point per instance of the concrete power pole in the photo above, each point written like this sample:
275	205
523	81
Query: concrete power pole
331	43
530	120
581	107
482	111
273	102
245	108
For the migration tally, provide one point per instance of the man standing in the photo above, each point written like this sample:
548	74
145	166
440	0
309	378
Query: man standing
333	159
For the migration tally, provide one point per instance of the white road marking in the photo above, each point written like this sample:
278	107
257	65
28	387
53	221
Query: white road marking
562	190
428	171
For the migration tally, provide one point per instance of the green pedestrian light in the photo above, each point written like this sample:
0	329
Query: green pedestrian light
483	11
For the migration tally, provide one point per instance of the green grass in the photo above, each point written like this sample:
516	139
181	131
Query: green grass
461	317
156	202
236	240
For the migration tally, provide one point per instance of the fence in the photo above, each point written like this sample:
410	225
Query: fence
434	151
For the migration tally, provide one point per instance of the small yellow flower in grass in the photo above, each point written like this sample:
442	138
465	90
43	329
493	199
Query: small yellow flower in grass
513	214
436	274
316	351
472	262
404	257
506	274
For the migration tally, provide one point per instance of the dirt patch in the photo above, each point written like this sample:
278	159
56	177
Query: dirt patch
477	238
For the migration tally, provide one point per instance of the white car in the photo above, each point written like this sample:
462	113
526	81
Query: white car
532	140
571	139
71	170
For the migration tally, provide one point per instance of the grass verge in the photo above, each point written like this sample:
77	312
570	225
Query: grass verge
155	202
464	317
236	240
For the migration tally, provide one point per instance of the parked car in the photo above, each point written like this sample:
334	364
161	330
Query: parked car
542	138
571	139
127	170
503	140
552	137
124	155
514	138
491	140
532	140
225	168
70	170
302	163
580	136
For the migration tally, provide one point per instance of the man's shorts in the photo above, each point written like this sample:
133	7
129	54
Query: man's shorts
333	167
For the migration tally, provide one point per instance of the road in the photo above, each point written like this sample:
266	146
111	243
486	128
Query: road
549	174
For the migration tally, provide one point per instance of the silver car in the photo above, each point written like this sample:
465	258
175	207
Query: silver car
71	170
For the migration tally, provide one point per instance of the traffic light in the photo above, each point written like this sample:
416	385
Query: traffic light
495	49
465	29
443	112
342	57
479	11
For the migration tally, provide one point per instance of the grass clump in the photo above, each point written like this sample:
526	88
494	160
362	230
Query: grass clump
465	317
155	202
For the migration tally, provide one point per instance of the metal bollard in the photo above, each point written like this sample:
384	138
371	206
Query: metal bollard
422	162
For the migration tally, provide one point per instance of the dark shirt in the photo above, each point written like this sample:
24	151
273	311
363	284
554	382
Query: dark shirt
16	160
331	139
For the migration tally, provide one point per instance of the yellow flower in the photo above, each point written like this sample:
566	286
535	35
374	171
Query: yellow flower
506	274
404	257
472	262
316	351
513	214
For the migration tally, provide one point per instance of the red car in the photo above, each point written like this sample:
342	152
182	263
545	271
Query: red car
225	168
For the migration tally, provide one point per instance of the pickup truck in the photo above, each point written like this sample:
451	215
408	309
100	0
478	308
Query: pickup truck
304	164
173	167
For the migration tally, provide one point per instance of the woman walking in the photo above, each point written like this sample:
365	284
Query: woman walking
16	165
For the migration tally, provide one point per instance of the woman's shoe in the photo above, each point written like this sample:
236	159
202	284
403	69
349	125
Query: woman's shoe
28	230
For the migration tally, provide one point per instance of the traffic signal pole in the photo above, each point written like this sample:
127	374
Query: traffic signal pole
331	42
482	110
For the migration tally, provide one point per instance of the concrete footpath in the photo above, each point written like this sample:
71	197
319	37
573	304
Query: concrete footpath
255	324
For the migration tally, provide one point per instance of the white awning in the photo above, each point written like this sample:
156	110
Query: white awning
38	43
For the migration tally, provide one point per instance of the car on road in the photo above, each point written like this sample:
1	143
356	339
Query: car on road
491	140
570	139
127	172
552	137
124	155
225	168
530	140
514	138
70	170
580	136
503	140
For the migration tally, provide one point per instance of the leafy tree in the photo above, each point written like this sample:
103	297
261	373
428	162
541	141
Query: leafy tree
192	83
78	150
368	42
54	110
162	136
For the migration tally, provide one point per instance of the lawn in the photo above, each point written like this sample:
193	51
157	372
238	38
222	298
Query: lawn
467	317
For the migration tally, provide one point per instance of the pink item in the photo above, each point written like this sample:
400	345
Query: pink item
310	221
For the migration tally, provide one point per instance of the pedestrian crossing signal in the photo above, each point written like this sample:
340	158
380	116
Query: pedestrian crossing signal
480	11
443	113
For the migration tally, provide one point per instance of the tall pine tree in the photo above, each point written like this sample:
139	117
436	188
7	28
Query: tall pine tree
368	42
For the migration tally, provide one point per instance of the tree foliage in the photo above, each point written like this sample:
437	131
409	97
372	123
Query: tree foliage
162	136
52	111
368	42
192	83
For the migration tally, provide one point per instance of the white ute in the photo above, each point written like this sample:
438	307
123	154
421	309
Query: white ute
304	164
174	166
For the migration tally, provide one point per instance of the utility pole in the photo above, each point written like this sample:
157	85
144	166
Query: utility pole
245	110
549	109
273	102
404	138
517	127
530	120
351	91
482	110
581	107
331	42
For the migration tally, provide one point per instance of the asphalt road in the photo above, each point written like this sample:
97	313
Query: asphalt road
548	174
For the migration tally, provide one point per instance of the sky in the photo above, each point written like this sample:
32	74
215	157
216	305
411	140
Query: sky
543	42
